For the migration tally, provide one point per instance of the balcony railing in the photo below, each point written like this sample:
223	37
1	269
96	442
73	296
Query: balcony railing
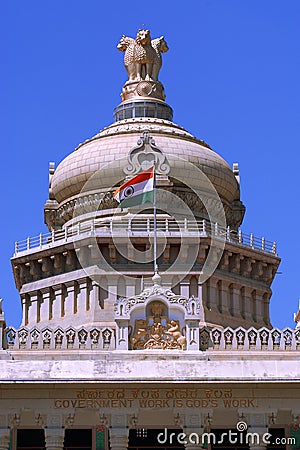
143	227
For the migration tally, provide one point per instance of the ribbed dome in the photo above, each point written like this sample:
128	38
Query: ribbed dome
114	143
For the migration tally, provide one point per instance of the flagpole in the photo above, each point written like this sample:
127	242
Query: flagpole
154	224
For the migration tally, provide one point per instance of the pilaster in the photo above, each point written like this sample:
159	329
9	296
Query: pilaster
259	438
248	304
260	306
45	304
258	435
112	295
54	432
33	308
25	307
54	438
82	298
266	305
94	298
57	302
212	286
193	432
225	297
69	300
200	291
236	300
118	437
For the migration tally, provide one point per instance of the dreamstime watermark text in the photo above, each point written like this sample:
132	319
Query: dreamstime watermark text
240	436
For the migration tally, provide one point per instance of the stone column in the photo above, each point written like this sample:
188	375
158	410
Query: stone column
4	438
24	309
45	304
33	308
112	294
193	438
236	294
54	438
260	307
200	293
69	300
57	303
94	300
225	297
266	303
118	438
257	433
82	297
261	437
212	286
248	304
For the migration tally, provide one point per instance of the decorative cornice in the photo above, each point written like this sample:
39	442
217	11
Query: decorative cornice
141	124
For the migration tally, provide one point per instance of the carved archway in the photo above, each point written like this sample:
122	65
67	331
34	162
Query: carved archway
157	319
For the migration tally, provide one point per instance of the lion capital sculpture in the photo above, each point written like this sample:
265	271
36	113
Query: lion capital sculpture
142	58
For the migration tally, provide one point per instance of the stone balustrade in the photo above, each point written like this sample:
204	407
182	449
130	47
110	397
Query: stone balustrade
250	339
103	338
84	338
143	226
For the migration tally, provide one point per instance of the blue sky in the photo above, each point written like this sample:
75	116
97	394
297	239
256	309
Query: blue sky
231	76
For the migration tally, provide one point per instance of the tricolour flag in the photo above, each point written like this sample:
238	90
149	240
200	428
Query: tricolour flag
137	191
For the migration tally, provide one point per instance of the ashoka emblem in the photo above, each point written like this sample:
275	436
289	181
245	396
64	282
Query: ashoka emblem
144	88
128	192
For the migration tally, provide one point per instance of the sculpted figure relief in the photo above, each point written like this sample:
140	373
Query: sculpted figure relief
142	58
174	331
157	331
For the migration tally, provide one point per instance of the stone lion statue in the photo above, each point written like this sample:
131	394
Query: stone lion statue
142	58
127	45
145	55
160	46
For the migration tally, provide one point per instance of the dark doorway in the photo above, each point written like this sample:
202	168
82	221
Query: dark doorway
78	439
33	439
75	439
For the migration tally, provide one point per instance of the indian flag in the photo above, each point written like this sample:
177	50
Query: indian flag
137	191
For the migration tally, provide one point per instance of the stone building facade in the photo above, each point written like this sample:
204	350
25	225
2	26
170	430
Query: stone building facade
110	353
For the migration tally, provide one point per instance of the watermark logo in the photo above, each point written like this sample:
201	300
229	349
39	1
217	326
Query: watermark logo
239	436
